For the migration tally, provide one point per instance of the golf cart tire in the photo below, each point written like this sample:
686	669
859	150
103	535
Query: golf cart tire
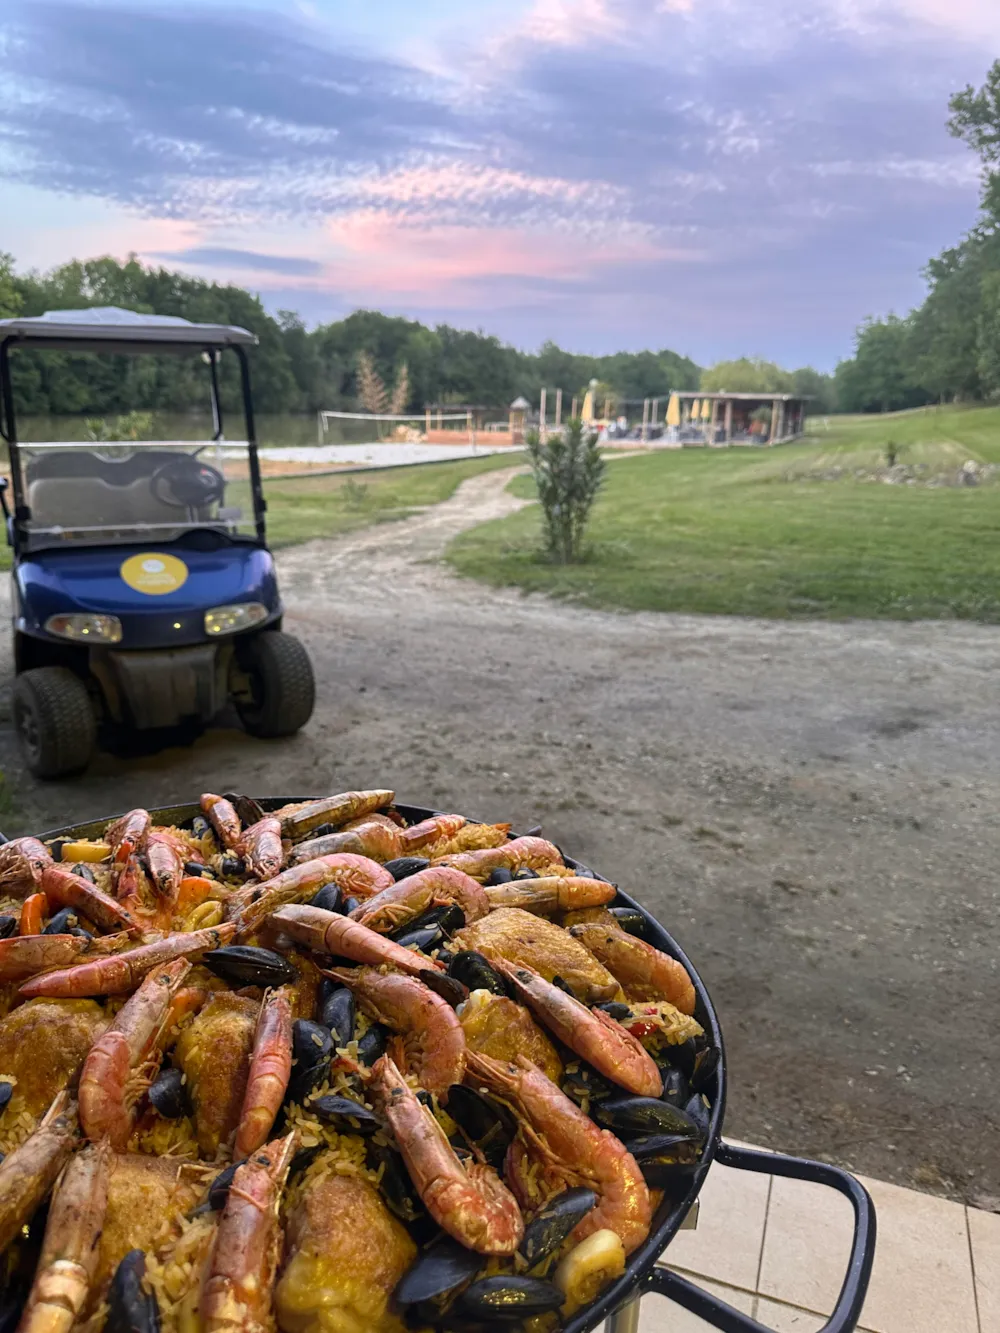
55	722
284	688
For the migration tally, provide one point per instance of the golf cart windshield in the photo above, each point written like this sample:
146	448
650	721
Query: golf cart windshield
99	493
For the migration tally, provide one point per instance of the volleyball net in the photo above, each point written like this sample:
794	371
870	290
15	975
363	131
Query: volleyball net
397	428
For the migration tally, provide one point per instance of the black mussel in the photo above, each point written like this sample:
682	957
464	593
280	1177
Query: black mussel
582	870
548	1229
56	847
587	1085
395	1184
246	807
198	871
322	830
402	867
706	1062
168	1094
345	1115
563	986
336	1011
630	1117
526	873
509	1298
616	1010
218	1191
449	917
486	1123
250	966
79	932
441	1268
8	926
661	1147
424	940
499	876
328	898
84	871
697	1109
233	867
683	1056
312	1049
447	987
304	1158
472	969
62	922
630	919
676	1089
200	827
6	1092
351	904
372	1045
131	1309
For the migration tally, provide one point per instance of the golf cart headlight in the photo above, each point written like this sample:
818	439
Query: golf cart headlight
229	619
86	629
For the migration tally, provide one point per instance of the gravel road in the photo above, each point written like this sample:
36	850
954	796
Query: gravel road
810	807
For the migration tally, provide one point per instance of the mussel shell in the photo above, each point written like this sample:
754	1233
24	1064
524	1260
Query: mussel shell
402	867
6	1092
683	1056
563	985
424	940
337	1012
509	1298
447	987
630	1117
706	1062
616	1010
250	965
526	873
247	809
8	927
449	917
200	826
472	969
62	922
168	1095
549	1228
676	1089
630	919
84	871
441	1268
586	1084
312	1049
218	1191
56	848
395	1184
233	867
372	1045
346	1116
485	1122
328	898
198	871
131	1309
660	1147
350	904
699	1113
304	1158
499	876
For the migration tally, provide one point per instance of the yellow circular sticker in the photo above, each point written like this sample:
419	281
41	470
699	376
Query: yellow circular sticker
154	573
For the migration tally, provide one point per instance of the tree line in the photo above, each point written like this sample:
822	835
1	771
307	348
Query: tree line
948	349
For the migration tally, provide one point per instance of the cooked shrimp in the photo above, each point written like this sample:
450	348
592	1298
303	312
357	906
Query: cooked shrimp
298	820
645	973
432	1039
590	1033
165	856
222	816
32	914
359	875
64	889
117	974
470	1202
261	848
126	836
21	864
551	893
328	932
365	837
270	1070
407	898
120	1064
570	1148
27	1174
518	854
236	1295
428	831
25	955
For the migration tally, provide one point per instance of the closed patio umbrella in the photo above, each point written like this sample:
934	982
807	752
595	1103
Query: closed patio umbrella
674	411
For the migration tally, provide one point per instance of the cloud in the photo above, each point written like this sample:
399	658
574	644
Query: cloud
217	256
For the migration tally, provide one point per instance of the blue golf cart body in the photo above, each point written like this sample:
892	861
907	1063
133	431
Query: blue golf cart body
144	593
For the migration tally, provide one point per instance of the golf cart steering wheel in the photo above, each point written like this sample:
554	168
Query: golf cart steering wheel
187	483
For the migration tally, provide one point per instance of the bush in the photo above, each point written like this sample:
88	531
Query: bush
568	470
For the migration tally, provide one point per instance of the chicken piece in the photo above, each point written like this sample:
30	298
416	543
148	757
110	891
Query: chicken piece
345	1253
43	1045
523	938
497	1026
213	1052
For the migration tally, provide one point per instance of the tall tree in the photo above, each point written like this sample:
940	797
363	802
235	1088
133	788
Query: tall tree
975	119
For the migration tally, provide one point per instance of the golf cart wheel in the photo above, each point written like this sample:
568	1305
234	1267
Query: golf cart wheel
55	722
282	689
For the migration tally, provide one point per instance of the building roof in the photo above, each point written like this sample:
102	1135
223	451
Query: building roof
745	397
521	405
109	328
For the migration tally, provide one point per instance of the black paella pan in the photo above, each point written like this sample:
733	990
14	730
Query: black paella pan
644	1274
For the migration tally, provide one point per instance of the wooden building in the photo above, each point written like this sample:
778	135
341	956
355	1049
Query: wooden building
736	418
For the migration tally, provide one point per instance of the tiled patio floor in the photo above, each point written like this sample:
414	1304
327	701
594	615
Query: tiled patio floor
777	1249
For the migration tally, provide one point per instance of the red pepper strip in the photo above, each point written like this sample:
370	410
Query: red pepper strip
641	1029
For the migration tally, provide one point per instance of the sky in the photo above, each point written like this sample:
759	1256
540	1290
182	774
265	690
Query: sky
721	177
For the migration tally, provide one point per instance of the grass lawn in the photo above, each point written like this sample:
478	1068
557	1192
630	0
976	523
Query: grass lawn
766	533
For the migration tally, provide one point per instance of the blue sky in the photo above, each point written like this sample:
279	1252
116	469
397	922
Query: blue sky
718	176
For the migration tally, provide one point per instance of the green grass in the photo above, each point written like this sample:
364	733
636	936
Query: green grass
762	533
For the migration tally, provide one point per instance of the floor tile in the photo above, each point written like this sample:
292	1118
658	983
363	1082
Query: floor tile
726	1245
806	1245
661	1316
984	1233
786	1318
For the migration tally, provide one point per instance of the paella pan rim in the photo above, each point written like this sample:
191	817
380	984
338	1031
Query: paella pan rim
671	1214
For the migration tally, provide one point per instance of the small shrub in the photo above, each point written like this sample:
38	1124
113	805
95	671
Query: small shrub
568	470
892	453
355	493
131	426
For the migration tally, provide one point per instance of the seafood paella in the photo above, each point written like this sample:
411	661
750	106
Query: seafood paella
325	1070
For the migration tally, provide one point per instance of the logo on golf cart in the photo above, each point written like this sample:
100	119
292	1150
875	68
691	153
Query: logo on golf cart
153	573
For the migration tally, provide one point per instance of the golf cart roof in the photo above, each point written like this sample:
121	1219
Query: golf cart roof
110	329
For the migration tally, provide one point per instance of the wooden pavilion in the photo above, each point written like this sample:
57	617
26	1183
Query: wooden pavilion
738	418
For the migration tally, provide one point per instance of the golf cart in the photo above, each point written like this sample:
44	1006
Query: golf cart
144	594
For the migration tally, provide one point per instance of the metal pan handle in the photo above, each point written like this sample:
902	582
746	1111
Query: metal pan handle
847	1311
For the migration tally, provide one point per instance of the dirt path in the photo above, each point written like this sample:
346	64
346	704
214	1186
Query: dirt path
810	807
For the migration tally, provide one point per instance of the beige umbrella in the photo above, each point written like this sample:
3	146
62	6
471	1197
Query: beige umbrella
587	414
695	410
674	411
706	409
